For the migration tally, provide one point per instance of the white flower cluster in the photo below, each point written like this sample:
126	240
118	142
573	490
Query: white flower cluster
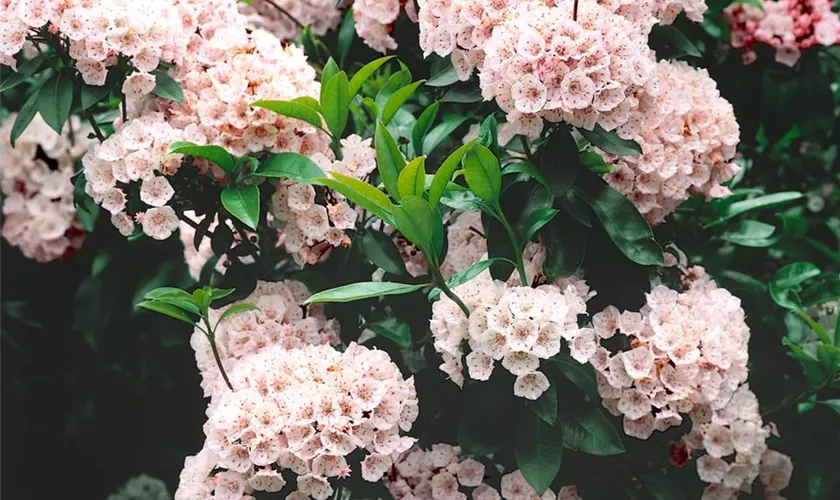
101	34
688	136
517	325
222	76
539	63
282	320
689	351
38	212
142	487
438	474
651	11
302	410
466	243
313	220
320	15
736	430
375	21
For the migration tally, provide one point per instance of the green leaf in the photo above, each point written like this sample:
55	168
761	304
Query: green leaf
672	42
444	78
565	245
785	297
559	161
220	293
363	290
538	450
346	34
292	109
580	375
366	71
389	160
536	220
394	329
834	404
611	142
23	72
589	431
24	118
488	134
184	304
623	223
167	291
394	82
166	87
92	94
750	233
423	124
216	154
166	309
810	365
416	220
335	103
441	132
412	179
222	240
488	414
463	96
761	202
444	174
243	203
362	194
469	273
526	168
826	290
329	71
794	274
593	162
380	249
292	166
483	174
55	100
236	309
397	99
546	406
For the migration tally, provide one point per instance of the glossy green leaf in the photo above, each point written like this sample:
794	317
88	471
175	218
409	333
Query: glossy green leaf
611	142
442	131
222	240
826	290
243	203
329	71
538	450
416	220
292	109
236	309
447	76
412	179
335	103
483	173
463	96
834	404
794	274
166	87
672	42
381	250
23	72
488	134
166	309
759	203
750	233
559	161
167	291
423	124
580	375
444	174
545	406
622	221
593	162
216	154
397	99
346	35
366	71
24	118
394	83
469	273
55	99
292	166
364	290
392	328
536	220
92	94
589	431
389	160
362	194
565	245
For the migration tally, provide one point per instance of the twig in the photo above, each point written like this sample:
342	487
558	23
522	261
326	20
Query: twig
574	11
95	126
285	13
802	397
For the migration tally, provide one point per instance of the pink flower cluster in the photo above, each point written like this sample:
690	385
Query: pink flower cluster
375	21
313	220
303	410
439	474
688	351
466	243
735	430
222	77
100	35
517	325
651	11
282	320
688	136
789	26
320	15
539	63
38	212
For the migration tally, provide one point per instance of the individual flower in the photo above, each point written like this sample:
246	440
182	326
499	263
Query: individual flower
688	135
39	216
302	410
281	320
